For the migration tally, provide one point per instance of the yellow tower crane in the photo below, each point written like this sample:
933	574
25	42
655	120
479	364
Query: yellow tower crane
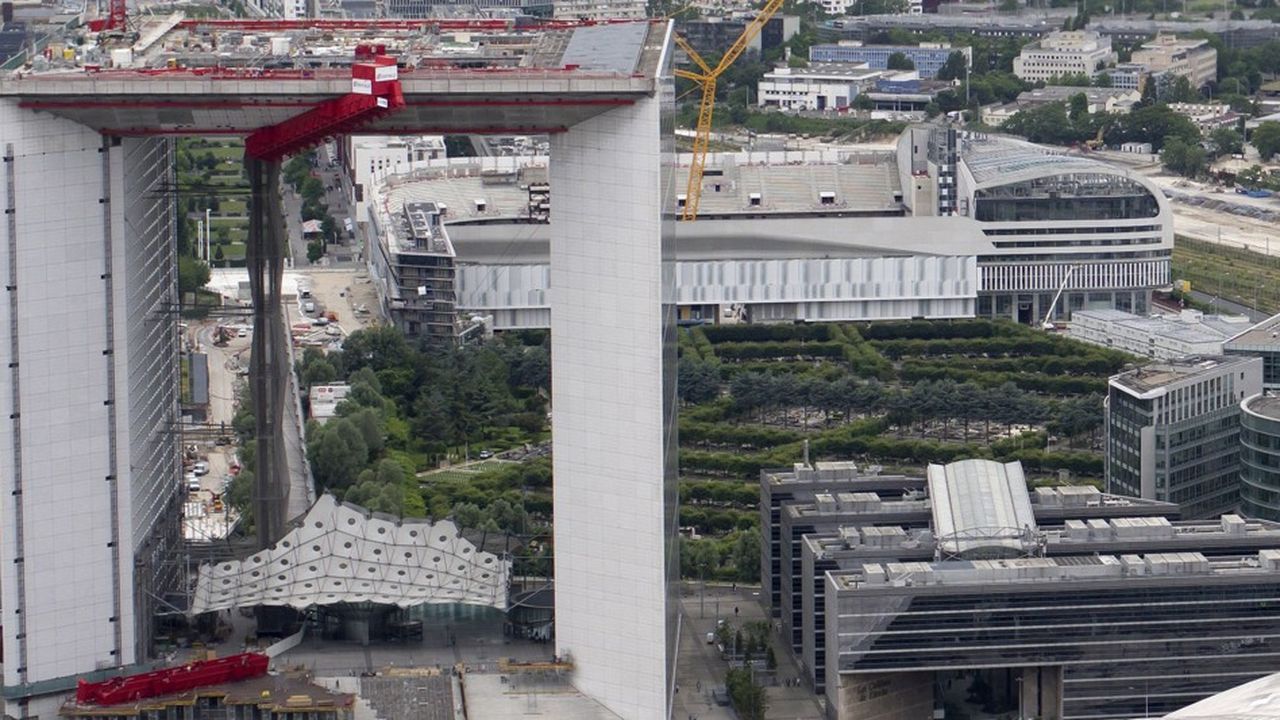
706	79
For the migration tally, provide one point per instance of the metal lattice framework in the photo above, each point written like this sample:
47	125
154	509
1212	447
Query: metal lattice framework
342	554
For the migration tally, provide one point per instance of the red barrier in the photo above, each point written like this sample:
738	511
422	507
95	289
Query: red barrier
130	688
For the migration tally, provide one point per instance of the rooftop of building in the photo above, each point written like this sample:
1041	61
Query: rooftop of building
1266	405
285	692
1158	375
866	183
1191	326
980	504
910	496
998	158
1062	93
1074	537
995	575
1165	41
1255	700
832	70
172	44
1263	336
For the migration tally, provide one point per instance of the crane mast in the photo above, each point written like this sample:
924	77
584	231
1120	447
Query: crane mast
706	78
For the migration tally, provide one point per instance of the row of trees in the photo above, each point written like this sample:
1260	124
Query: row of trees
735	557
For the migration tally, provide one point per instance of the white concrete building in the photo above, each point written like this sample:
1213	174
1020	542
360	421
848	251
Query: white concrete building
375	157
1161	337
1208	116
1108	100
599	9
1192	58
89	463
821	86
1075	52
324	400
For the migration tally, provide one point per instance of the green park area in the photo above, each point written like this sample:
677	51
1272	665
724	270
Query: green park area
211	178
895	394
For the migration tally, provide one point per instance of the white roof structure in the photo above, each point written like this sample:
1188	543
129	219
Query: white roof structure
341	554
1255	700
981	508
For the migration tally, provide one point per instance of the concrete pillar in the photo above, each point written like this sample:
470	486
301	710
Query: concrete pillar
613	386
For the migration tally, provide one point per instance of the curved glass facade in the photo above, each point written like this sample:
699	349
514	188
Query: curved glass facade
1072	196
1260	458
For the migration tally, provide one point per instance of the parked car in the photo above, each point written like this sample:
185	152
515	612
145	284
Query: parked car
486	454
201	468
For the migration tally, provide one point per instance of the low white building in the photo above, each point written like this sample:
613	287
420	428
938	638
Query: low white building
325	398
1108	100
1164	337
1207	116
1075	52
822	86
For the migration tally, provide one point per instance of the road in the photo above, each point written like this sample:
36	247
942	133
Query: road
700	668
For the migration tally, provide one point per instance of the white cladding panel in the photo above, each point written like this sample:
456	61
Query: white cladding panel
607	390
58	261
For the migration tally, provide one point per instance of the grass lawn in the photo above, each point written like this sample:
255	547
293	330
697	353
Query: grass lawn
460	473
1235	274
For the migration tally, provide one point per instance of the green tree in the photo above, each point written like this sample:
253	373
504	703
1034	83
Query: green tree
1226	141
1078	107
746	555
749	699
954	68
193	274
337	453
218	254
1183	158
315	251
1103	80
1266	138
899	61
312	189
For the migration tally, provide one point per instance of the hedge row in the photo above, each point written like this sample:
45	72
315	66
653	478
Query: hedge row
776	349
1031	382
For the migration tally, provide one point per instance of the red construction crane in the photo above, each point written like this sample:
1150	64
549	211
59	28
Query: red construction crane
117	13
375	92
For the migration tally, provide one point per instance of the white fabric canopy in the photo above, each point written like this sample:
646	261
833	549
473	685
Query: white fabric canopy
341	554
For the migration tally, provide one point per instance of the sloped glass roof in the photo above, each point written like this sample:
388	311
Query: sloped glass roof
340	554
980	507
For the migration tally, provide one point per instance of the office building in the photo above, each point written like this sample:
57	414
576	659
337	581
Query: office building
711	35
1173	431
90	470
856	516
1133	619
1074	52
1164	337
997	226
821	86
1262	340
1260	456
927	58
90	461
1192	58
1100	234
800	484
